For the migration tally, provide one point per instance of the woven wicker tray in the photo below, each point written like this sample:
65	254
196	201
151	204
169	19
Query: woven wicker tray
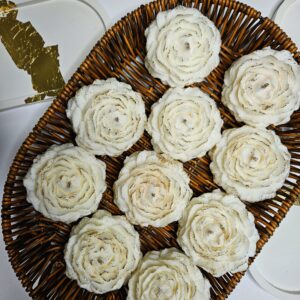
35	244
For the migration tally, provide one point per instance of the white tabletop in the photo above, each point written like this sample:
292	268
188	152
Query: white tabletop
15	125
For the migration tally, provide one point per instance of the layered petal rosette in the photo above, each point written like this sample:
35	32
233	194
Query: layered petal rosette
107	116
152	189
263	88
102	252
183	46
250	163
218	233
166	275
184	123
65	183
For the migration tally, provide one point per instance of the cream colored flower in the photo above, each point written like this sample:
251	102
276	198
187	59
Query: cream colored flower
102	252
65	183
251	163
184	123
183	46
167	275
263	88
107	116
152	189
218	233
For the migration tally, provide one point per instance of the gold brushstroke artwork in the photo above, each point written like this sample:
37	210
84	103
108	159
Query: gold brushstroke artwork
27	49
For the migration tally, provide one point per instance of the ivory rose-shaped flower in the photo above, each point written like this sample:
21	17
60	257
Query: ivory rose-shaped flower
102	252
263	88
107	116
168	275
251	163
152	189
183	46
218	233
184	123
65	183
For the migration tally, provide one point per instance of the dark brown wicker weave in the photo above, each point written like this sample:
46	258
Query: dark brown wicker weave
35	244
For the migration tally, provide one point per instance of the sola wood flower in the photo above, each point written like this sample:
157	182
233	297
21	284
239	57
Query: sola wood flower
184	123
182	46
168	274
251	163
218	233
152	189
65	183
263	88
107	116
102	252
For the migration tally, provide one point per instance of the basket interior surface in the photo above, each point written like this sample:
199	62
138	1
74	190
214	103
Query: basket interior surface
35	244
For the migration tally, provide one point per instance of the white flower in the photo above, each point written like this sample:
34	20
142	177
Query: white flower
65	183
218	233
263	88
251	163
184	123
107	116
152	189
102	252
168	275
183	46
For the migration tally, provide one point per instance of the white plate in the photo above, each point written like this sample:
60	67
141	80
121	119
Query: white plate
277	267
287	17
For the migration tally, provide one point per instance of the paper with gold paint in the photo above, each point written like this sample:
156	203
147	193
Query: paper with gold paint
27	49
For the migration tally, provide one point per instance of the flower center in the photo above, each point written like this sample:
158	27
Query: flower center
187	45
